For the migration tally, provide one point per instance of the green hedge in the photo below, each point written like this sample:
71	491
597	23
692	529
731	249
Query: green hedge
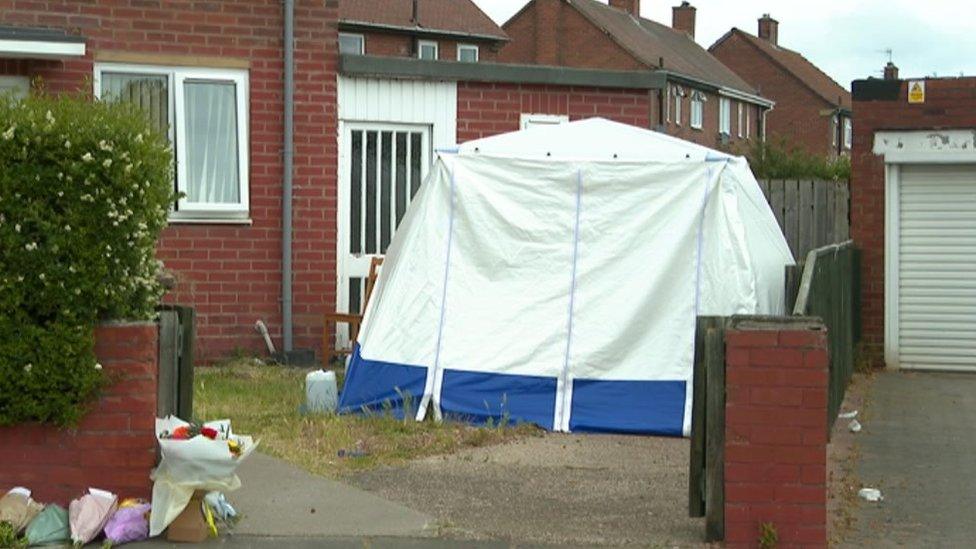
85	188
780	160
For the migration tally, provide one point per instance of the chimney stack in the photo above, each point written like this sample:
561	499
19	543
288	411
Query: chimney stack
769	29
630	6
890	71
683	18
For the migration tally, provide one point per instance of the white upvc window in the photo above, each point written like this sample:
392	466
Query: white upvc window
697	110
352	43
530	120
725	116
18	86
467	53
848	133
428	49
739	119
204	113
678	94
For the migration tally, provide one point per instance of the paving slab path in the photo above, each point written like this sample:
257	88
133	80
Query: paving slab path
918	446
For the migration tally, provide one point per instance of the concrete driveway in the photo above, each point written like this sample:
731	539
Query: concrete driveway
556	489
919	447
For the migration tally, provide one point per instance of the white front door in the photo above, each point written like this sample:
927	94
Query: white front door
381	168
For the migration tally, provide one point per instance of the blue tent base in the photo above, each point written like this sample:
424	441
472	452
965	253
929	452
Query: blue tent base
635	407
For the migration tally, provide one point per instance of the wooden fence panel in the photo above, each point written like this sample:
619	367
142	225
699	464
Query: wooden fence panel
828	289
811	213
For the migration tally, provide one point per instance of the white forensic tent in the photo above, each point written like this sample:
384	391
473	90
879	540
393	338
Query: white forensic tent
554	275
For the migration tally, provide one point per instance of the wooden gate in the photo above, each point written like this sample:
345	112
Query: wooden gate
706	479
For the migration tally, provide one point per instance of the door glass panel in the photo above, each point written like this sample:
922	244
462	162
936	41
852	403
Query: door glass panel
386	191
355	294
401	175
416	161
355	194
371	165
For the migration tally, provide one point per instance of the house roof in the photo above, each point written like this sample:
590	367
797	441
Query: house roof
452	17
649	41
800	67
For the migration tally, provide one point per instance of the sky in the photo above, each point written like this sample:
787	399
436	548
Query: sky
847	39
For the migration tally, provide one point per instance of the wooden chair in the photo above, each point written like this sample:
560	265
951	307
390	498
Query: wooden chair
353	320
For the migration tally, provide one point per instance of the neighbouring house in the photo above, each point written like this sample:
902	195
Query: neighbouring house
702	101
812	110
913	215
209	75
447	30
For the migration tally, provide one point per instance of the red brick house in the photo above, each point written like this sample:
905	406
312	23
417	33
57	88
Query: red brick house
703	101
913	214
446	30
812	110
210	75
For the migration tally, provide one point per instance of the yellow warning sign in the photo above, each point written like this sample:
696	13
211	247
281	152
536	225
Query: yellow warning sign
916	91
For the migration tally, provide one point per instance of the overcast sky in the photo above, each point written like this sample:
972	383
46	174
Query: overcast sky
845	38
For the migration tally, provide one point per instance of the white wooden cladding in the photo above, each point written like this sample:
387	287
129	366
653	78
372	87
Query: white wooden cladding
388	132
432	104
937	267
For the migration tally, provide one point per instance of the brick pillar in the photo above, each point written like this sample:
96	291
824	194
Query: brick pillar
114	445
776	431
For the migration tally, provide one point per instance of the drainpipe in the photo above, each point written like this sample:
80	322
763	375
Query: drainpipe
286	180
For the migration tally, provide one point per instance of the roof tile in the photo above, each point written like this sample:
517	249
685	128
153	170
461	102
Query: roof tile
451	16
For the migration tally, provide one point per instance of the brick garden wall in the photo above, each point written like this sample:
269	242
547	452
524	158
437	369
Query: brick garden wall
950	103
230	273
776	432
114	446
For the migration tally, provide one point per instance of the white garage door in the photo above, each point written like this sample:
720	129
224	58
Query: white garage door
937	267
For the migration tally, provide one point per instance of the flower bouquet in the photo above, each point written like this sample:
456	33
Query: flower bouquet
194	457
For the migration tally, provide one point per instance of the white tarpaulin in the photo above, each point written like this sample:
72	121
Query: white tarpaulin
554	275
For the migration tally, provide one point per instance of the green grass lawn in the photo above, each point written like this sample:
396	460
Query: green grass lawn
263	401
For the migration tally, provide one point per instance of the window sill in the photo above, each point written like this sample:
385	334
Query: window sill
696	128
208	221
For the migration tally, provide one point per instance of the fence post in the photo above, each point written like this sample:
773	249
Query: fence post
715	431
168	384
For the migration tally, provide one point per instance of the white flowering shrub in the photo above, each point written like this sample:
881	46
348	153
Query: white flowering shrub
85	188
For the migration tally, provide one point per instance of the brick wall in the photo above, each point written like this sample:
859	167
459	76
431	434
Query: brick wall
232	273
796	117
949	104
553	15
114	446
486	109
402	45
776	432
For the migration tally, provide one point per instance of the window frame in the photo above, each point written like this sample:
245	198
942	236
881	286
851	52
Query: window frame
725	116
848	133
176	77
697	114
527	120
475	48
430	43
678	94
362	42
738	126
